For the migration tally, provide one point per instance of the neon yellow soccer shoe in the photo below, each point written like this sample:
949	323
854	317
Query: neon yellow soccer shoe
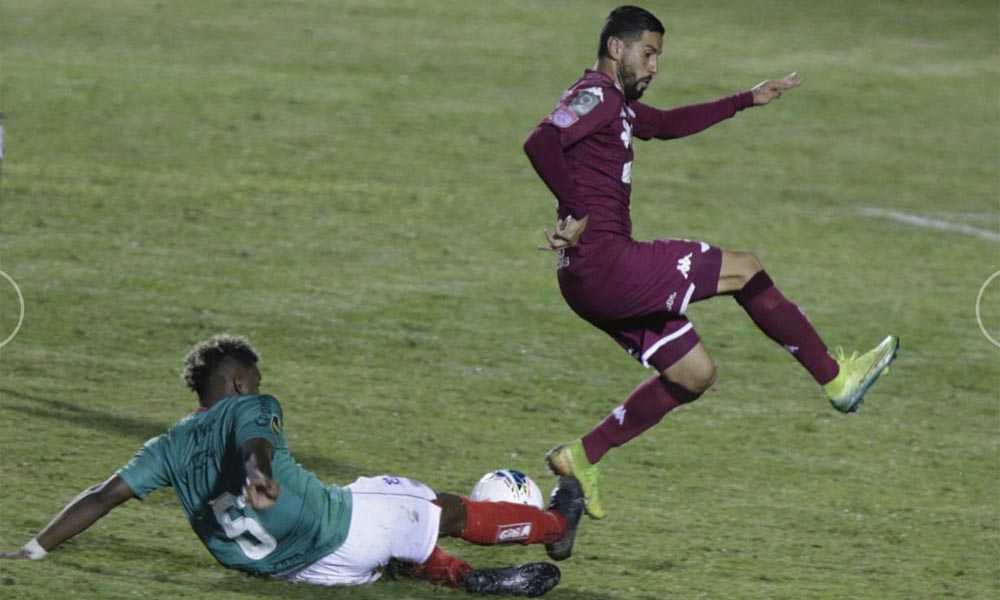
570	459
858	373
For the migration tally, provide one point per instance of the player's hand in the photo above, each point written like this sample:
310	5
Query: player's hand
261	492
20	554
566	235
768	90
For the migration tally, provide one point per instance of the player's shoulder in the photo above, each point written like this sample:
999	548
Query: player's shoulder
255	400
594	95
597	84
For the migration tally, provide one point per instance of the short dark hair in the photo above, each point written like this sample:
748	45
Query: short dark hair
627	23
202	362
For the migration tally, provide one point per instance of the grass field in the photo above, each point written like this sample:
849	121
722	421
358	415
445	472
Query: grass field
344	183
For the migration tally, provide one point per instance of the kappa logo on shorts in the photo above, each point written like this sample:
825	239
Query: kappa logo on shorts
513	532
684	265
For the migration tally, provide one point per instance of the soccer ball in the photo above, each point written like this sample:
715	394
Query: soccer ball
508	485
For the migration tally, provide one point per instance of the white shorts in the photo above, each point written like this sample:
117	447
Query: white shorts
391	517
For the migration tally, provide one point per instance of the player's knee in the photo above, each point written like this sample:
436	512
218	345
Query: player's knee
749	266
702	379
453	514
696	379
738	268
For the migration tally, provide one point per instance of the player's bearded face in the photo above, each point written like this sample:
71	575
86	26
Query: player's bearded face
639	63
633	85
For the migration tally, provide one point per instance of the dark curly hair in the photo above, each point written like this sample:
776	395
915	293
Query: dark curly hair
204	360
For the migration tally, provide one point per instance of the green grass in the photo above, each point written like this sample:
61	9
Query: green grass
343	182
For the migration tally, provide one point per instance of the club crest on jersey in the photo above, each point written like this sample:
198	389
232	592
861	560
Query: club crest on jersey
586	100
276	424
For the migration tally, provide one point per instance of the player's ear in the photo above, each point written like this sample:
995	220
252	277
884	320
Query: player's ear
616	48
241	381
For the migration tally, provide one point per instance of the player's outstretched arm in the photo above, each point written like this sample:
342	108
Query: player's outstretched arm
82	512
767	90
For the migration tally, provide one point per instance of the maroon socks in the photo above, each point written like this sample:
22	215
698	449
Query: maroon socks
783	321
644	407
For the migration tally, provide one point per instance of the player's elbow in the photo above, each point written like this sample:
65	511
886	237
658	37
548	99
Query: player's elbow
110	493
542	139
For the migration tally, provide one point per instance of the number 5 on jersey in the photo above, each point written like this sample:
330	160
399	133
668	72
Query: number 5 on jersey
253	540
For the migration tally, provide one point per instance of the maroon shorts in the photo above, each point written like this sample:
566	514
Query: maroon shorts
638	292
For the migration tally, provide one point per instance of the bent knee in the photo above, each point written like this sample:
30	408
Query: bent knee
696	379
738	268
747	265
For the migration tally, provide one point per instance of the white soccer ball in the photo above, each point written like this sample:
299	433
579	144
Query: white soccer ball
508	485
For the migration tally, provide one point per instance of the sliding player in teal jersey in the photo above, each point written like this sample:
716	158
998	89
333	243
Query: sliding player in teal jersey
258	511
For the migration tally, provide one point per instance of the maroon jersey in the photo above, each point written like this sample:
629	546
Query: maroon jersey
637	292
583	149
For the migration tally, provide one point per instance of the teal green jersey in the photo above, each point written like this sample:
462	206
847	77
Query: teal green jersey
200	458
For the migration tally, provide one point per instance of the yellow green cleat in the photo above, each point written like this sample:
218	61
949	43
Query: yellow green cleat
571	460
857	373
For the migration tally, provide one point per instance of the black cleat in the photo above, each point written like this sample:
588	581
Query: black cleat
532	579
567	498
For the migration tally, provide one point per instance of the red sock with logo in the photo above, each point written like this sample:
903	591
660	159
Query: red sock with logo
443	568
644	407
784	322
488	523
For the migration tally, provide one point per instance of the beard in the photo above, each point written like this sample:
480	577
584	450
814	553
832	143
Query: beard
630	83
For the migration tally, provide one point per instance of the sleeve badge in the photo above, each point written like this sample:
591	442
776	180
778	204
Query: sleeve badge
564	117
586	100
276	424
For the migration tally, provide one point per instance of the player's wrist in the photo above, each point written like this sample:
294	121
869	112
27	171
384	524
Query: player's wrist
34	550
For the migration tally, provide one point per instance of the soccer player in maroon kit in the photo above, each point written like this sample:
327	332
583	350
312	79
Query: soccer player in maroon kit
638	292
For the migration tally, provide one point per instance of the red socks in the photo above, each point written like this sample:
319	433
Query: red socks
443	568
489	523
783	321
644	407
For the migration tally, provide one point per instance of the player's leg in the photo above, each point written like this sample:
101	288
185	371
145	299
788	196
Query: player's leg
489	523
532	579
846	379
679	383
671	346
392	518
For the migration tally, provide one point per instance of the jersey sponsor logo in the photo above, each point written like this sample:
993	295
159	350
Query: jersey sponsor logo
586	100
627	173
513	532
564	117
684	265
264	416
